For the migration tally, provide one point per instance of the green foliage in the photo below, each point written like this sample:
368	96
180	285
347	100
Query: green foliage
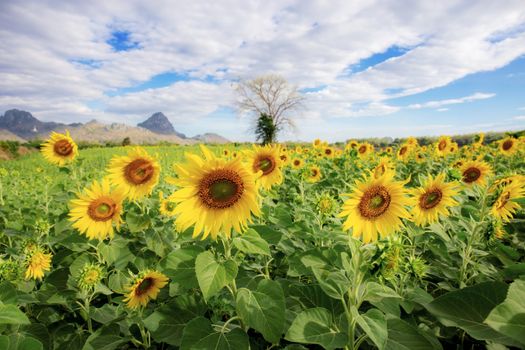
266	130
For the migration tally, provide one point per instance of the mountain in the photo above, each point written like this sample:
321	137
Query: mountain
210	138
6	135
95	131
160	124
24	125
21	126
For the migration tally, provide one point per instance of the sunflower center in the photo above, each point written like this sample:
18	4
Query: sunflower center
362	149
507	145
402	151
139	171
283	157
314	172
102	209
296	162
442	145
503	199
144	286
328	151
170	206
430	199
63	148
471	175
221	189
266	164
374	202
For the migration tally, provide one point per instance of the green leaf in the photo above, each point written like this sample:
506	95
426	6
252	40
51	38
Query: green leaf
404	336
8	293
137	222
179	266
200	335
212	275
21	342
467	309
508	318
10	314
373	322
316	326
263	309
335	284
167	324
251	243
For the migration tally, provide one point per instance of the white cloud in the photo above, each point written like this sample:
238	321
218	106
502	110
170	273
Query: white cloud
442	109
310	43
519	117
452	101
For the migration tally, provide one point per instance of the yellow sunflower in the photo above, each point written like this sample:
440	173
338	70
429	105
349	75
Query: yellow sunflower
136	174
96	210
506	206
328	152
284	158
145	288
60	149
508	146
412	141
297	163
266	159
313	174
433	199
403	153
167	206
376	206
389	150
215	195
37	262
384	166
364	150
475	172
443	146
317	143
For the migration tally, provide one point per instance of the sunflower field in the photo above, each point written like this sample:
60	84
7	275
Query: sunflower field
264	247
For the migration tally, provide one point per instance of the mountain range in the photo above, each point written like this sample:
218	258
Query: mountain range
18	125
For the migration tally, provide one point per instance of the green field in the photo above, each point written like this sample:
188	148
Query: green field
294	279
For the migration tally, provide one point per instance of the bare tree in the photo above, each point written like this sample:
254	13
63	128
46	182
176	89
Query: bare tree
269	95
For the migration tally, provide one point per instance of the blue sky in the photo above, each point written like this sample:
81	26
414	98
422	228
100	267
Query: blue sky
365	69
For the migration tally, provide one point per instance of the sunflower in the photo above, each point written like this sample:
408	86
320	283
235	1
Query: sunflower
36	263
215	195
478	140
313	174
266	160
506	206
90	276
375	206
412	141
403	153
284	158
350	145
167	206
433	199
384	166
317	143
389	150
508	146
443	146
453	148
328	152
297	163
475	172
136	174
145	288
96	210
226	152
60	149
364	150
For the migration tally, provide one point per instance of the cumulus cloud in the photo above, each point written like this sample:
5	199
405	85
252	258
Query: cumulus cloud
56	60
